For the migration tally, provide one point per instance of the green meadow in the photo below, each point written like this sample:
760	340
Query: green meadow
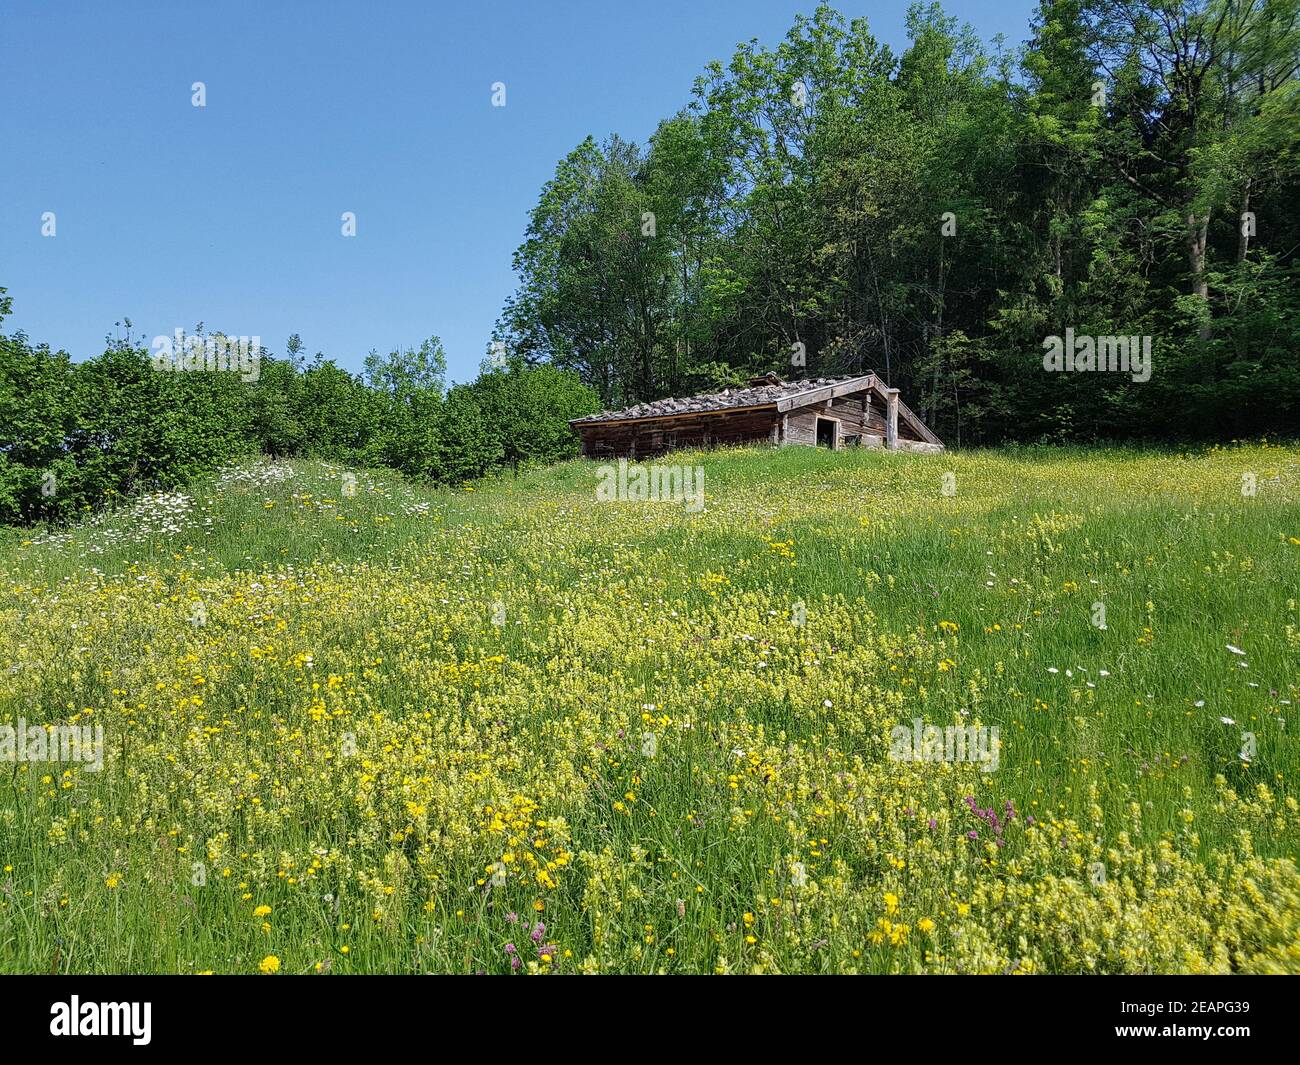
353	724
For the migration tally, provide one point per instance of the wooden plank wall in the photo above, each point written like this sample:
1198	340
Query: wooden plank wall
647	439
862	415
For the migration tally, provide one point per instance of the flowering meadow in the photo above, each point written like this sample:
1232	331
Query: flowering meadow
352	725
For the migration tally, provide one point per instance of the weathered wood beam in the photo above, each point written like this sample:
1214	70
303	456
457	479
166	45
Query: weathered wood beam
817	395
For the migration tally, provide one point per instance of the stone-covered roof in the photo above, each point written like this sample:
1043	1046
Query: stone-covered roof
771	391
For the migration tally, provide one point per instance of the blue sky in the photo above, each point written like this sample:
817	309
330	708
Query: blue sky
230	214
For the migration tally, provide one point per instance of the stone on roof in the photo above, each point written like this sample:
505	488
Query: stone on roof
770	391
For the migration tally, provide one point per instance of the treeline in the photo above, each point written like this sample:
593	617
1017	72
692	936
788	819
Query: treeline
76	435
828	206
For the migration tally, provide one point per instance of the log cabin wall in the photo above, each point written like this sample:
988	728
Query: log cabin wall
646	439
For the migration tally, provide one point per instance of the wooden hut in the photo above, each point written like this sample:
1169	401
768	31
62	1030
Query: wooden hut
833	412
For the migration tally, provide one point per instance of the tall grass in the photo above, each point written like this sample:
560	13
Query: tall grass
424	726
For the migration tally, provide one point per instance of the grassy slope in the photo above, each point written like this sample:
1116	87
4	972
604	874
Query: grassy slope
350	740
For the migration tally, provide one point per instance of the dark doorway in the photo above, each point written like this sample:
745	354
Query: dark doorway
826	433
